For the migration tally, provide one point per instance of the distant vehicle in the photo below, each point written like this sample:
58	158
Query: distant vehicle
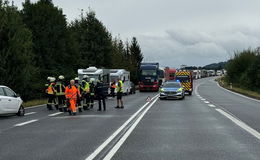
98	74
149	77
161	76
219	72
169	73
172	89
186	79
123	75
196	74
10	102
132	90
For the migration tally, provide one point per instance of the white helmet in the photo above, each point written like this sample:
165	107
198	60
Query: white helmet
76	79
52	79
61	77
92	79
48	78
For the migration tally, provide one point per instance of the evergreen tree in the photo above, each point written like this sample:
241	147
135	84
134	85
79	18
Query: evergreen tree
136	59
52	41
94	41
17	59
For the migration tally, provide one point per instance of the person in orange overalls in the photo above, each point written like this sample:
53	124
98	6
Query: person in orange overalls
71	93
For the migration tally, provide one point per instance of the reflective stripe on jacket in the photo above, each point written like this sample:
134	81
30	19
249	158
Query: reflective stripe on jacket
71	92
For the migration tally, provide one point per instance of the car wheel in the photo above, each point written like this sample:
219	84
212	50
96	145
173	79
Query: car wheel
21	111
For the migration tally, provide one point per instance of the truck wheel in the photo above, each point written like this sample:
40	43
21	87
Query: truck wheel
190	93
21	111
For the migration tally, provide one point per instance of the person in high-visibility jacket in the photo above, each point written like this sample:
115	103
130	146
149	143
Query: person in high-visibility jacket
51	93
112	89
92	92
86	92
119	90
71	93
60	93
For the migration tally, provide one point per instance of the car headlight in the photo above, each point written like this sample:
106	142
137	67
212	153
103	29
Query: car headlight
179	90
161	90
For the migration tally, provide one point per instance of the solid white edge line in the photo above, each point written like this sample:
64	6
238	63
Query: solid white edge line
129	131
240	124
107	141
29	113
238	93
24	123
54	114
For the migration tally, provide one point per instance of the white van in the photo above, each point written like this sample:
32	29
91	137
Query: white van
123	75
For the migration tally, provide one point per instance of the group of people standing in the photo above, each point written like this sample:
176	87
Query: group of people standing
79	96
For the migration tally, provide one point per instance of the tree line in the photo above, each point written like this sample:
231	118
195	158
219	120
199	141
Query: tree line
243	70
37	42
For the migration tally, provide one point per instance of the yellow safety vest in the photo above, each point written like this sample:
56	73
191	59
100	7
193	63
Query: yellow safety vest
119	87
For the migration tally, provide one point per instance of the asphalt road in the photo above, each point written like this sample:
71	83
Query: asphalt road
211	124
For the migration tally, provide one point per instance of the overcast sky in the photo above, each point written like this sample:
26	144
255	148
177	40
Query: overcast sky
175	32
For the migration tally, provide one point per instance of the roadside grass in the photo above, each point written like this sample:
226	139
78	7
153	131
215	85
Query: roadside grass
237	89
34	102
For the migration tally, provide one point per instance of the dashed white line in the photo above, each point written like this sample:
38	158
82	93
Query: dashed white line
24	123
54	114
29	113
202	99
207	102
240	124
211	105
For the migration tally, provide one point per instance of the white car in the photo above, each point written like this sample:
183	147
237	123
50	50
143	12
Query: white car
10	102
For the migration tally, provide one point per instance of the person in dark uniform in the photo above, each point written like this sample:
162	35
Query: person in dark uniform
99	90
92	92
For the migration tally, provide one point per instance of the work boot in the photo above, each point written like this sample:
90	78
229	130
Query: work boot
69	112
117	107
122	107
57	107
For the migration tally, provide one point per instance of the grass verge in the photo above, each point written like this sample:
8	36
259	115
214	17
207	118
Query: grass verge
237	89
34	102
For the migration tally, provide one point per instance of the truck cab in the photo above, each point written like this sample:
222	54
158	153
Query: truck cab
149	77
186	79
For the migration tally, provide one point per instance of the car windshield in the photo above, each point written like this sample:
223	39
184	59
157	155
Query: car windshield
149	72
172	85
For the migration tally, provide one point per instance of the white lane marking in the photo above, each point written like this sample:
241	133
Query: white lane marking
24	123
238	94
29	113
240	124
42	105
106	142
54	114
207	102
130	130
202	99
211	105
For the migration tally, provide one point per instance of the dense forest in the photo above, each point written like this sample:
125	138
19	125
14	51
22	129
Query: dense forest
37	42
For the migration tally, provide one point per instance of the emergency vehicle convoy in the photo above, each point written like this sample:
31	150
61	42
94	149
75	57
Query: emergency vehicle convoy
149	77
186	79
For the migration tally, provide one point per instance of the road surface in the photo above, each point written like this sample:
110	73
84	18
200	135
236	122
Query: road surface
211	124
